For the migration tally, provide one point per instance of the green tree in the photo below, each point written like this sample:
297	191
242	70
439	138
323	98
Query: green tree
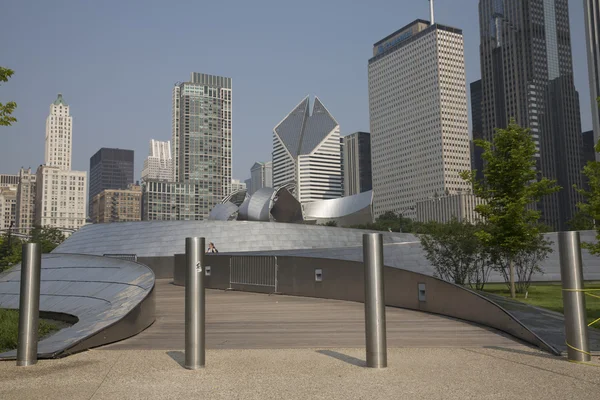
591	204
581	221
509	187
6	119
10	251
456	252
49	238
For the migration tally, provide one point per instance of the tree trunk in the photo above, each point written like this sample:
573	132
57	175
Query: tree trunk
511	267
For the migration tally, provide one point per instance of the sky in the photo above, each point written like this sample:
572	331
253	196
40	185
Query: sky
116	62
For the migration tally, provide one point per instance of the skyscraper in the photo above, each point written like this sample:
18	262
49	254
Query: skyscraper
26	200
202	137
59	132
159	163
60	192
261	175
527	74
476	123
357	163
110	169
592	36
306	153
418	114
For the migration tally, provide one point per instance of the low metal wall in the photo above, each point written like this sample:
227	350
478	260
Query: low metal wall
344	280
161	266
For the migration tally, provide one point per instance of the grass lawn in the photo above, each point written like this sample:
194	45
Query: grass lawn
549	295
9	326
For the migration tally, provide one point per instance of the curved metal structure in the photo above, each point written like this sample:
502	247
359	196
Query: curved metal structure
236	198
285	207
223	212
259	207
108	299
243	210
165	238
346	211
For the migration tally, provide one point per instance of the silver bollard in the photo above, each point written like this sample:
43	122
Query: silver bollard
29	305
194	303
578	348
374	301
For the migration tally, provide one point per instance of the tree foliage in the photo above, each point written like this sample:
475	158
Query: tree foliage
49	238
392	222
11	246
581	222
591	204
456	252
526	263
6	110
510	188
10	251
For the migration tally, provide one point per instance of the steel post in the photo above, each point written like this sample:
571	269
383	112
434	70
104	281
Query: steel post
194	303
374	301
29	305
573	296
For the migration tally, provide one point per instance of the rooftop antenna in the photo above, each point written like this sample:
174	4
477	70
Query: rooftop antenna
431	11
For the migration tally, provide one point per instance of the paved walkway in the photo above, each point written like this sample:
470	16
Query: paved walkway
238	320
442	373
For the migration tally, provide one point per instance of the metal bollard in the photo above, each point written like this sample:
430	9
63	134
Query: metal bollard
29	305
578	348
194	303
374	301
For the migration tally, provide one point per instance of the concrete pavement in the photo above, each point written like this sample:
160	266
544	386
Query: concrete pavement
413	373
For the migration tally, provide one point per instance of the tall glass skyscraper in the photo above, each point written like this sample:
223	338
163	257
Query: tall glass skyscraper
592	35
527	74
202	137
109	169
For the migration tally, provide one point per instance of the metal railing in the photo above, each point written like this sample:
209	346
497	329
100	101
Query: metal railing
126	257
253	271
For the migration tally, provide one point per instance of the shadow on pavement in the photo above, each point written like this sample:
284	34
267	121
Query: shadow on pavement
178	357
525	353
343	357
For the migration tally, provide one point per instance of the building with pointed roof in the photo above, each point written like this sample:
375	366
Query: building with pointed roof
306	152
60	192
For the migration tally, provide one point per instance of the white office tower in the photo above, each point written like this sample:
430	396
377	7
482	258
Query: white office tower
59	130
418	115
237	185
261	176
60	193
159	164
306	153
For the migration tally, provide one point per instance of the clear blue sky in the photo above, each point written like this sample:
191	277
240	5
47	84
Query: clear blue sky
116	62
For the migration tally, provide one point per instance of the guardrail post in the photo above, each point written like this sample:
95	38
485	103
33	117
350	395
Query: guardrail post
374	301
578	348
195	344
29	305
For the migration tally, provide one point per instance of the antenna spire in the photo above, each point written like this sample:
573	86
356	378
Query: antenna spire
431	11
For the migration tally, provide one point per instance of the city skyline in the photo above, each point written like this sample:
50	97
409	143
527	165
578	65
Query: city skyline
31	87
